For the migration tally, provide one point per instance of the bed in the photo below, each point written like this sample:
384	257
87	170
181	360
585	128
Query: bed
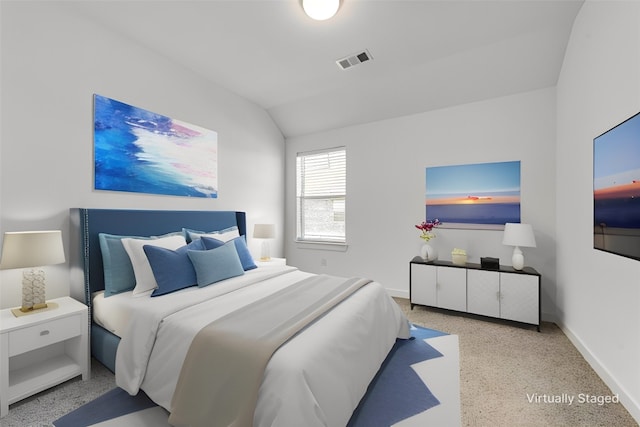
149	341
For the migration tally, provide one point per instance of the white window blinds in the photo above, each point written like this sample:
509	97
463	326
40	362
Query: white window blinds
321	190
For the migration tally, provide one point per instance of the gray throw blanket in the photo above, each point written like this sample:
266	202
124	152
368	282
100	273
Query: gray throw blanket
225	364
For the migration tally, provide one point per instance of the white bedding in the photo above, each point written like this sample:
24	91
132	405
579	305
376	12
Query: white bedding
113	313
315	379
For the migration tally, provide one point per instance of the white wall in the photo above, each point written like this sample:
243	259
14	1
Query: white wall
53	61
386	163
598	294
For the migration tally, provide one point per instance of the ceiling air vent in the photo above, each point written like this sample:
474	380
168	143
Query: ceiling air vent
353	60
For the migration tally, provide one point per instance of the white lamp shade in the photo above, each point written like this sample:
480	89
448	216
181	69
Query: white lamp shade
516	234
320	10
264	231
23	249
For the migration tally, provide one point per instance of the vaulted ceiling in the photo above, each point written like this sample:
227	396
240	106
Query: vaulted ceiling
427	54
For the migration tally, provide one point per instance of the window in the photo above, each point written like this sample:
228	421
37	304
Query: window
321	189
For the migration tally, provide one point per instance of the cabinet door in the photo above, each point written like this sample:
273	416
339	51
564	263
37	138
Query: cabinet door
423	284
483	292
452	288
519	299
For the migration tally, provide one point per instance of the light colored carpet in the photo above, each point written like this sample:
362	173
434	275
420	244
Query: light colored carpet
500	365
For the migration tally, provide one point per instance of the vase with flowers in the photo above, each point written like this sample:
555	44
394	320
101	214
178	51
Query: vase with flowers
427	251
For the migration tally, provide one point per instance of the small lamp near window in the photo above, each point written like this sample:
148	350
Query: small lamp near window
264	232
32	249
518	235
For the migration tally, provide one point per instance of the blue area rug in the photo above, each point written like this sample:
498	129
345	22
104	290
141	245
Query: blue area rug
396	392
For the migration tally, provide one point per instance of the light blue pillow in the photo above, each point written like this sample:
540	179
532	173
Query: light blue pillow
241	247
217	264
117	268
172	270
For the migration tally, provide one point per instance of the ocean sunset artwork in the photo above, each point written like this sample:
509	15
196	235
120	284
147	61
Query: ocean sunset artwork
136	150
616	189
486	195
616	176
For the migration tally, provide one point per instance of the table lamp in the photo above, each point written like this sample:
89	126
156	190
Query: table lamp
264	232
518	235
32	249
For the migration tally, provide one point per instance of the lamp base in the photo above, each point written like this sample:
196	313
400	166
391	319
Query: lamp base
517	260
266	253
34	307
18	312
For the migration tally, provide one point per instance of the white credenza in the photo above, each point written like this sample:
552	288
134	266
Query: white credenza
504	293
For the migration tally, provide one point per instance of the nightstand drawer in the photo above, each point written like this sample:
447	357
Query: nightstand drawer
26	339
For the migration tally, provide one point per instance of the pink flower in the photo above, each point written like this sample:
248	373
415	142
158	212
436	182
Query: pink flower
426	227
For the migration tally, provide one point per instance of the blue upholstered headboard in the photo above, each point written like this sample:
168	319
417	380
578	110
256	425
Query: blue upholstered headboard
86	258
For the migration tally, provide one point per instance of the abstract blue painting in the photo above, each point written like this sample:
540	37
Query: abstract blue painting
482	195
139	151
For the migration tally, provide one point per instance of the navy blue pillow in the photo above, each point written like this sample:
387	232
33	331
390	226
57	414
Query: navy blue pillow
173	270
241	247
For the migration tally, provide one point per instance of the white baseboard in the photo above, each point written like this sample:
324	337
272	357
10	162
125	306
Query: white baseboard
626	399
548	317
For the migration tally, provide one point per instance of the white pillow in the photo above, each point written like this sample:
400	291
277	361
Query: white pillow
223	235
145	281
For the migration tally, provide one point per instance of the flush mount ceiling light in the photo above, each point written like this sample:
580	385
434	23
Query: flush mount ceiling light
320	10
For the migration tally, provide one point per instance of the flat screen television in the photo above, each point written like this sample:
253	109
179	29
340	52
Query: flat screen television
616	189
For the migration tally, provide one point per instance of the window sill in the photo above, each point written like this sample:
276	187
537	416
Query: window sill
322	246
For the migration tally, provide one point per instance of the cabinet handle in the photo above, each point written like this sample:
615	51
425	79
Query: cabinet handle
43	333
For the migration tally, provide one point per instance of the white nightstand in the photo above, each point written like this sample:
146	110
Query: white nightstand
40	350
